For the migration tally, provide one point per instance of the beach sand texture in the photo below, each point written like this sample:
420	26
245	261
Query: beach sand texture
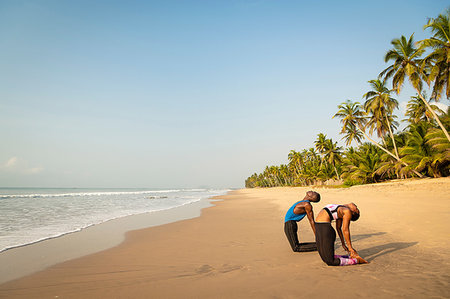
238	249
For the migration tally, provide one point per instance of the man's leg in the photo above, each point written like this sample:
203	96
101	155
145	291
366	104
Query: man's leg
290	229
307	246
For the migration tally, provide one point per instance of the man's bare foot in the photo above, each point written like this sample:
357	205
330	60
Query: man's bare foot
361	260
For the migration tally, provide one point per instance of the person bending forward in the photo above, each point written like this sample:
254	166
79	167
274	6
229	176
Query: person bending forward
296	213
326	235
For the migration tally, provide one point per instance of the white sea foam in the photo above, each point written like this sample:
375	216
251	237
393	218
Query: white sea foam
4	196
32	215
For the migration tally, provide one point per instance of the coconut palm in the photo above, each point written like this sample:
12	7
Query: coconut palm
284	173
320	145
407	64
421	155
361	165
380	106
352	117
295	161
438	61
333	155
417	110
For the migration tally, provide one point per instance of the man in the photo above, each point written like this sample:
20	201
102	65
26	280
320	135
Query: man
296	213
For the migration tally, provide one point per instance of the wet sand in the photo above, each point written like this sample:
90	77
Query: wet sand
237	249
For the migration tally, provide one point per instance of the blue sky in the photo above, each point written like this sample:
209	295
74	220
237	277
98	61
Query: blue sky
182	93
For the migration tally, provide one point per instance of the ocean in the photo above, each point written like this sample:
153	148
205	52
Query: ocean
29	215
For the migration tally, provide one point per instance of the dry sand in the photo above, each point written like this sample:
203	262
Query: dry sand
237	249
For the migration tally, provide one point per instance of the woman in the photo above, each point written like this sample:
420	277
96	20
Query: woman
326	235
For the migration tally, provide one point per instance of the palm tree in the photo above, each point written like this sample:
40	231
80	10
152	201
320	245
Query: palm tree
333	155
417	111
275	173
284	173
361	165
312	166
441	149
320	145
438	61
353	117
380	105
419	154
295	161
407	63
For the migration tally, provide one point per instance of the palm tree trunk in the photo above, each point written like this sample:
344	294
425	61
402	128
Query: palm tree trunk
298	169
388	152
384	141
337	174
434	115
392	136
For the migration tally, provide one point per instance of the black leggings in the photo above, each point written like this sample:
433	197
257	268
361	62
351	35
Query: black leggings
325	238
290	229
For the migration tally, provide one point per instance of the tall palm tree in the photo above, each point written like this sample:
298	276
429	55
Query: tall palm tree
407	63
320	145
352	119
417	111
380	105
333	155
320	142
438	61
352	116
295	161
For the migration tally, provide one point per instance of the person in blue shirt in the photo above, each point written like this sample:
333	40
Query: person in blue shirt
296	213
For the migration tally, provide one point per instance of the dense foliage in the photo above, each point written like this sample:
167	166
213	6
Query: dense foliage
422	149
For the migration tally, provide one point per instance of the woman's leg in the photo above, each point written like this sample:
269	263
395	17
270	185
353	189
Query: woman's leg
325	238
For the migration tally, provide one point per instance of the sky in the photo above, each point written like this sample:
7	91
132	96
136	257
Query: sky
182	94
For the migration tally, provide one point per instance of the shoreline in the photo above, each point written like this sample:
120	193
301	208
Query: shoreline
29	258
237	249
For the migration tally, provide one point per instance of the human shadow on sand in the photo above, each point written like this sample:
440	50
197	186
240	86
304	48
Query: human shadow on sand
365	236
373	252
359	237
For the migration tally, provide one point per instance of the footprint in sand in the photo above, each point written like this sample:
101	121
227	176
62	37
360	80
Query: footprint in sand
204	269
225	268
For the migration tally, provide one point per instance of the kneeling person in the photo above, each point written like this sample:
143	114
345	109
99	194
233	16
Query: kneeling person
296	213
326	235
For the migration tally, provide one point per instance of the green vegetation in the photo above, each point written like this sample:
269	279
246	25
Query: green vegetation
422	149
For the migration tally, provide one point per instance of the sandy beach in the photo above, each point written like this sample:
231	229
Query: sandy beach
237	249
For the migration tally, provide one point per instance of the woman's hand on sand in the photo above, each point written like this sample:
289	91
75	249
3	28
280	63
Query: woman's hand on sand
353	253
361	260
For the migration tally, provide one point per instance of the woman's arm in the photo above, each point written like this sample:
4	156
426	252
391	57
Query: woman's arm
346	231
339	230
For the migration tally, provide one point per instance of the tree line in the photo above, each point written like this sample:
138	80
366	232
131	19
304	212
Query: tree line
422	149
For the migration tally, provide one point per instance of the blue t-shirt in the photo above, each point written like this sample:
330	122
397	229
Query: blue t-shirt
290	215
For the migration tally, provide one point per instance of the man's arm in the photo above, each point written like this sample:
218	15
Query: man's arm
310	214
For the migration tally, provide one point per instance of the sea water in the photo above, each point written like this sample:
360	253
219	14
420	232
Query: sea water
31	215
